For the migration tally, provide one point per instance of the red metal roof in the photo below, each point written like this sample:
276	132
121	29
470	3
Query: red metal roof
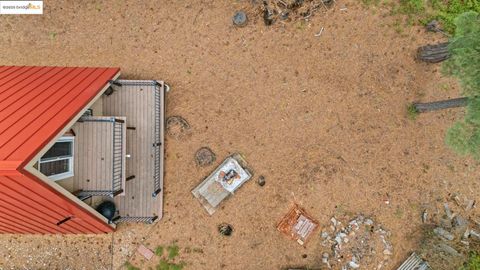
36	103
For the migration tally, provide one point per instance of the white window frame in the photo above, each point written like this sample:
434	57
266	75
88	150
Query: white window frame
61	176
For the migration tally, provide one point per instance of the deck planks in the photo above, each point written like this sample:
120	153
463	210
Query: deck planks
137	104
92	156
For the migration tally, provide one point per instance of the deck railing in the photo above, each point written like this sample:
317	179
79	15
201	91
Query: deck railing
158	140
117	159
159	112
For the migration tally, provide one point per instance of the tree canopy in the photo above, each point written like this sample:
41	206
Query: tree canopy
464	64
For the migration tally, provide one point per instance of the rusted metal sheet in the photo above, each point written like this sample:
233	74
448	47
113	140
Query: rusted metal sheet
36	104
297	225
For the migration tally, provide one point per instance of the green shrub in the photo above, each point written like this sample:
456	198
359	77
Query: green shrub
473	262
173	251
423	11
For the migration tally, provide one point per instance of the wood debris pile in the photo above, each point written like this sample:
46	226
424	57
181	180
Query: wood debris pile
286	10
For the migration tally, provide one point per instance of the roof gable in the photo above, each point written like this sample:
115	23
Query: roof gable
36	103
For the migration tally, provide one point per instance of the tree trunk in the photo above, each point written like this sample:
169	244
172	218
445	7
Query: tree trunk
433	53
440	105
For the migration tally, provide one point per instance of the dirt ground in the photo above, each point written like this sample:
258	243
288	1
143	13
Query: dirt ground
322	118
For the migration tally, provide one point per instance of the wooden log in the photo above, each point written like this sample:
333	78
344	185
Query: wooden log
440	105
433	53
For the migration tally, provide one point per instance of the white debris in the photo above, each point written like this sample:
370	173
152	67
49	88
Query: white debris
443	233
448	211
353	265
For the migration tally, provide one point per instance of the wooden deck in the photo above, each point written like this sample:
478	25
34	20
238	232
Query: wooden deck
142	103
95	154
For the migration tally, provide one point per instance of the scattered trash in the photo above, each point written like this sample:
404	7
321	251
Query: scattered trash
448	243
261	181
222	182
177	127
225	229
325	257
475	234
414	262
240	18
145	252
424	216
447	249
448	211
205	157
470	205
443	233
460	222
284	15
298	225
357	244
267	14
353	265
434	26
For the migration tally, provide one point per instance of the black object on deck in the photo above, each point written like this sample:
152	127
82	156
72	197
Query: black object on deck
107	209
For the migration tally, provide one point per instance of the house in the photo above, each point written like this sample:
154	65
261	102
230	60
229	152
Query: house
72	138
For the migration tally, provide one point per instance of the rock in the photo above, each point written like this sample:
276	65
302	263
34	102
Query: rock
240	18
261	181
268	16
443	233
205	157
225	229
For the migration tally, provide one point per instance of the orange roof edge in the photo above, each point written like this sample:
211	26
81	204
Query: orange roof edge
38	104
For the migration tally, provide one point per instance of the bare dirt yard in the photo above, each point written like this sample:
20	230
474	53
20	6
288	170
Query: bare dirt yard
322	118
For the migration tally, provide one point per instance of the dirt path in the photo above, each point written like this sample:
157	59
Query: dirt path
322	118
